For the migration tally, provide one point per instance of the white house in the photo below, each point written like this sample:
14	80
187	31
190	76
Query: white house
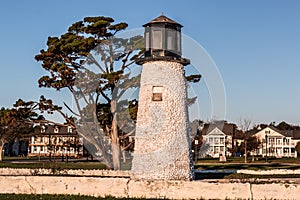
218	138
218	142
277	143
55	140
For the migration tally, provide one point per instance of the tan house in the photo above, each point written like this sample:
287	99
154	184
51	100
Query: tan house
55	140
277	143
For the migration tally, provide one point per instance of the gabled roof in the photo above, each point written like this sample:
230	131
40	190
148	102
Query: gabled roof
162	19
50	129
226	128
252	132
275	129
215	131
294	134
287	133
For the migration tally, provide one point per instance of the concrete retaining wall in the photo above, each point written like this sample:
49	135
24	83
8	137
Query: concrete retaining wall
125	187
70	172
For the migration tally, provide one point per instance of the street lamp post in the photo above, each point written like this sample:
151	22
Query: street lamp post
196	155
245	141
266	138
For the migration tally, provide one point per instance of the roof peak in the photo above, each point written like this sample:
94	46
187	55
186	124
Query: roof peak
163	19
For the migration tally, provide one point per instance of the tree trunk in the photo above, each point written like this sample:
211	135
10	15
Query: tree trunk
124	156
115	143
116	151
1	150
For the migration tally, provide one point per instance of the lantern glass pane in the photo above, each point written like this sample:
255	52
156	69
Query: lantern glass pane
171	40
147	40
178	42
157	39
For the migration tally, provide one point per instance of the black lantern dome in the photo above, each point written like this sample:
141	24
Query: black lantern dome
162	39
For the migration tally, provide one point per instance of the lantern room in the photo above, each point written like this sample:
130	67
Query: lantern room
162	39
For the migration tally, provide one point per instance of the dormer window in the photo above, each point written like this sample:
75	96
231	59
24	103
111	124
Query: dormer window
70	129
56	130
43	129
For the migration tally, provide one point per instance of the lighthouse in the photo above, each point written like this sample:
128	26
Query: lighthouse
162	142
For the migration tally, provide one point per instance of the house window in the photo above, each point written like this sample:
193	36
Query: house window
216	140
216	149
157	93
278	141
34	149
287	141
221	140
52	139
42	149
221	149
293	150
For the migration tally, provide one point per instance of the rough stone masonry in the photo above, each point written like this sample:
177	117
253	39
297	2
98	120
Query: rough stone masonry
162	143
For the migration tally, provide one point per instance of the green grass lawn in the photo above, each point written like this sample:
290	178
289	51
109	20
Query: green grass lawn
249	160
202	164
18	158
44	162
239	163
57	165
236	166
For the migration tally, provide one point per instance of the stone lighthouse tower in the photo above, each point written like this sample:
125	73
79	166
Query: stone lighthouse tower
162	143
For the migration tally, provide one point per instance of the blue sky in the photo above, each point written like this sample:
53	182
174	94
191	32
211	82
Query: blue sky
255	45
